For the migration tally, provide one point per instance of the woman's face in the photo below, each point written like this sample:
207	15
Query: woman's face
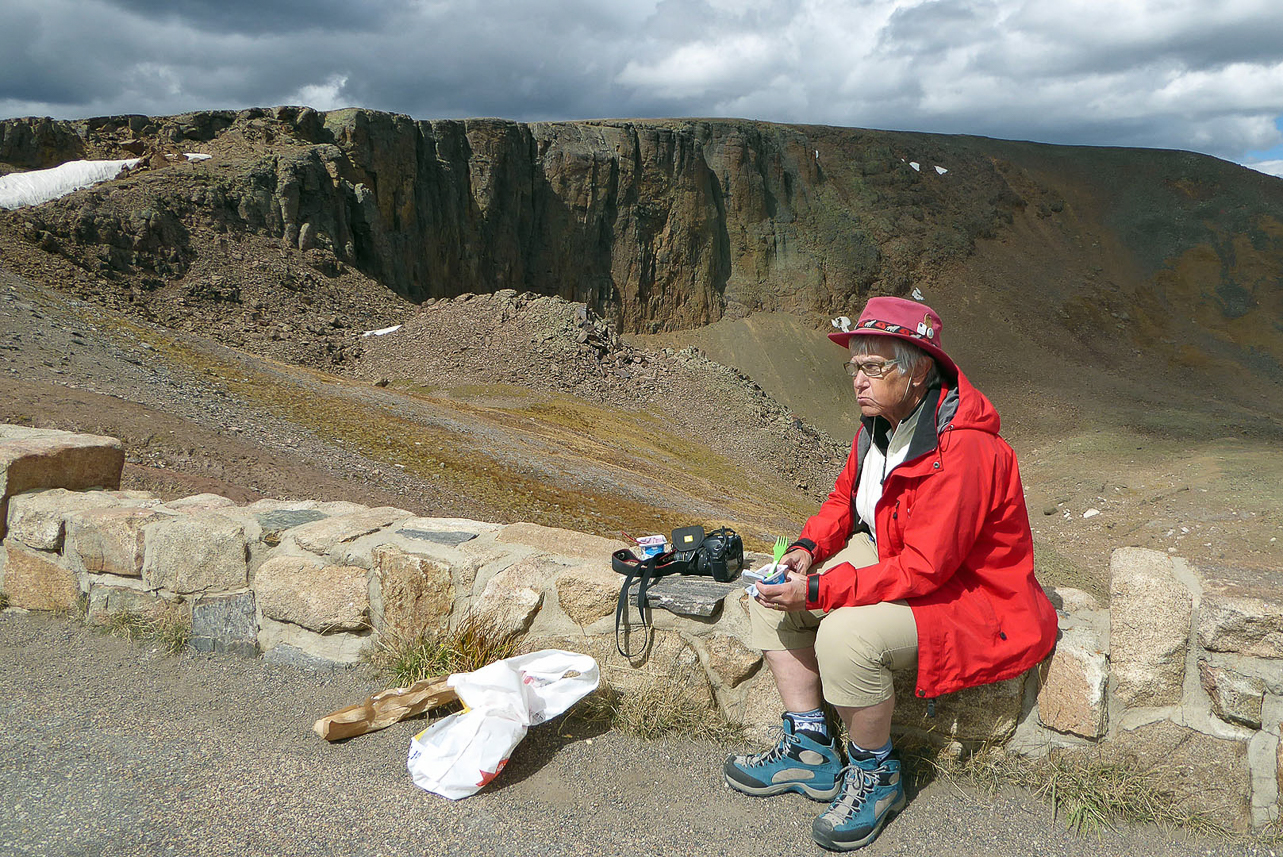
895	394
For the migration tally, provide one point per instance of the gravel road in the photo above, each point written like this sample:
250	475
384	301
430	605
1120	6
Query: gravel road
112	748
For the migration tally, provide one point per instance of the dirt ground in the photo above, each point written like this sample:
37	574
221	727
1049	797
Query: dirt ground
133	753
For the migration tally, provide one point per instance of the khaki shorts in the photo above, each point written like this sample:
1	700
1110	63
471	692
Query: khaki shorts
857	647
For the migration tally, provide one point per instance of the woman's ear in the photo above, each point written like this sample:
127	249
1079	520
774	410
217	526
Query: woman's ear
920	371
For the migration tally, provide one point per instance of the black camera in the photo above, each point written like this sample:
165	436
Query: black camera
719	554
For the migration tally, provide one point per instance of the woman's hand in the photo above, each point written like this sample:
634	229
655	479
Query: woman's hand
788	596
797	559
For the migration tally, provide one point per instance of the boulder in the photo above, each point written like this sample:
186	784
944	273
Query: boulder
762	706
988	713
512	598
106	600
587	592
336	647
200	552
35	581
326	508
669	661
1262	760
1241	611
274	523
36	459
305	592
200	501
1236	698
1149	627
410	593
109	540
729	660
225	624
1066	599
38	519
451	532
323	536
1071	697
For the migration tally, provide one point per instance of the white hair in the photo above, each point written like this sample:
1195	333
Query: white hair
906	357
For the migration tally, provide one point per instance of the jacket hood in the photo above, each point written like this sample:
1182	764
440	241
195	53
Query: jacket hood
964	407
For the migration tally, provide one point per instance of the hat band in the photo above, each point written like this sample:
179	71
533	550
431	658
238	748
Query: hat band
924	331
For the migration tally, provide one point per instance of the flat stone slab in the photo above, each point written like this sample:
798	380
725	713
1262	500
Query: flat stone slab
276	522
686	595
225	624
284	519
449	538
560	542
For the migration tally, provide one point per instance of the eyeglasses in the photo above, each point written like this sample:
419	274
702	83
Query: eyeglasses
871	368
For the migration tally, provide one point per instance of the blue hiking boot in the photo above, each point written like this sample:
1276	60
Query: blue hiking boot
871	794
797	763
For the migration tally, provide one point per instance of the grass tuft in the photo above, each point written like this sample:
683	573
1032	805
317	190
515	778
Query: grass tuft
658	706
4	600
1090	792
170	632
1093	794
473	643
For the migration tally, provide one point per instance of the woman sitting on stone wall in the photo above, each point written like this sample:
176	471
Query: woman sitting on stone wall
924	555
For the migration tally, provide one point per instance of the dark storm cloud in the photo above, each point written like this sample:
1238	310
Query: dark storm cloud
258	16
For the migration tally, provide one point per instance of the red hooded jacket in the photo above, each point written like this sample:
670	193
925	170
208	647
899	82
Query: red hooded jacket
953	541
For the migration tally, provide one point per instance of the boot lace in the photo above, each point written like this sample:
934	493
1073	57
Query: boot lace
857	785
781	749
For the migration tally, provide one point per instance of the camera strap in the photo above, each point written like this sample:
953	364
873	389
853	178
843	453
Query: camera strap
719	554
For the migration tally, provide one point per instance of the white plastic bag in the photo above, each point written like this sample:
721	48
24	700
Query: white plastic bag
459	754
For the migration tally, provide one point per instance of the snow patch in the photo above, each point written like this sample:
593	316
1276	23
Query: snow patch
37	186
941	170
382	332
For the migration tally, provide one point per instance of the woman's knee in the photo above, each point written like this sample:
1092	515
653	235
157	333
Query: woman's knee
858	647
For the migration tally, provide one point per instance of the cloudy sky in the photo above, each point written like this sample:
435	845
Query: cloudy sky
1204	75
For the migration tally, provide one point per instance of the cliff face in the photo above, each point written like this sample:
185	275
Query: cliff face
660	224
667	225
627	219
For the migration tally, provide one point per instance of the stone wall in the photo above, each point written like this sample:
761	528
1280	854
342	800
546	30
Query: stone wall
1186	673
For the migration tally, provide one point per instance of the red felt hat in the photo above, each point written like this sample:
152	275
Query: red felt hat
908	320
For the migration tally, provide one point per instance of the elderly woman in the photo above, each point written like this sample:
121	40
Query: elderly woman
921	554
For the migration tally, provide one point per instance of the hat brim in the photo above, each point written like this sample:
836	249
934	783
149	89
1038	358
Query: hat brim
843	338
